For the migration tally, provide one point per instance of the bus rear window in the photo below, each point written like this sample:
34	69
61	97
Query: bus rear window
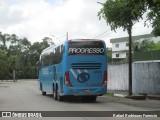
86	47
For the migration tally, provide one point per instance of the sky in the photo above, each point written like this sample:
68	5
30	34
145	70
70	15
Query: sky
36	19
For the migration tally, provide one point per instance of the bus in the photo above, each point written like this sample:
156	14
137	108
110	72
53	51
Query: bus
76	67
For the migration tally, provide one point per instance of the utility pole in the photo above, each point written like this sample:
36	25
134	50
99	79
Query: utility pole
67	35
130	61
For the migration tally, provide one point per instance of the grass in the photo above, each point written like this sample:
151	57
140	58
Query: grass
110	94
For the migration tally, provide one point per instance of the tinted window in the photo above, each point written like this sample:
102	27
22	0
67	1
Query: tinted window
52	56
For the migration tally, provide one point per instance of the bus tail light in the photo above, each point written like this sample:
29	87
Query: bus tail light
67	79
104	83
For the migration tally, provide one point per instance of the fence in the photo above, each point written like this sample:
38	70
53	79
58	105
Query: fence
146	77
118	77
146	55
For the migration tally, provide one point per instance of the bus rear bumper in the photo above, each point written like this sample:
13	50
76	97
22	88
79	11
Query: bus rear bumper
76	91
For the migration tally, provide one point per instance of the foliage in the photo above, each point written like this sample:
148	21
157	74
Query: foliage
3	64
120	13
154	15
3	39
20	55
145	45
152	7
115	12
157	46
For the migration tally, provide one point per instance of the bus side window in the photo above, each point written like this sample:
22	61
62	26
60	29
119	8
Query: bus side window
38	64
63	49
53	55
42	59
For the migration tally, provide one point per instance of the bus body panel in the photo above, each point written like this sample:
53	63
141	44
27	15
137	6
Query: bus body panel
47	78
86	71
86	74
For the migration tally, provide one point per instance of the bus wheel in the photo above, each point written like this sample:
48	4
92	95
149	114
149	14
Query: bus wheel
40	87
55	93
93	98
60	98
43	93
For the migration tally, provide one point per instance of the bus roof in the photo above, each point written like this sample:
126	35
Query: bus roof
69	40
85	40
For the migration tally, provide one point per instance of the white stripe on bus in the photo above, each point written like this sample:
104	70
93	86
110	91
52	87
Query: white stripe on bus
86	70
73	73
79	71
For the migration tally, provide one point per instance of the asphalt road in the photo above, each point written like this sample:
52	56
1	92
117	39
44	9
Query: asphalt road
26	96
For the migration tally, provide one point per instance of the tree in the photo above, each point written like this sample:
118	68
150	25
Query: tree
24	44
154	15
14	39
3	39
152	8
18	56
120	13
48	40
145	45
3	64
36	49
156	26
13	61
157	46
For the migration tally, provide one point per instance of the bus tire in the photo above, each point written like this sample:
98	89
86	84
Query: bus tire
43	93
41	88
55	93
60	98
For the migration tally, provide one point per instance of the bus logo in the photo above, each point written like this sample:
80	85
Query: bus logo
83	77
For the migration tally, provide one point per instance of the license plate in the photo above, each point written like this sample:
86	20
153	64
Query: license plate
86	90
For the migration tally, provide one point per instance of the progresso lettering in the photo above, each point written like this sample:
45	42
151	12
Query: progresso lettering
86	50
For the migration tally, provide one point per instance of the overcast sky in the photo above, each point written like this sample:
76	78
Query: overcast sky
36	19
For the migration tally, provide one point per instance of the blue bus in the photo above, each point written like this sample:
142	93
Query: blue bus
76	67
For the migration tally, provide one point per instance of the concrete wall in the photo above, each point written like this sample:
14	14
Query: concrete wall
146	77
118	77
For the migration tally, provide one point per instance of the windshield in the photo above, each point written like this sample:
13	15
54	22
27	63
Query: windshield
86	48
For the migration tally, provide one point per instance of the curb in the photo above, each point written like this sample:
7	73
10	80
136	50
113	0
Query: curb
136	97
119	95
153	97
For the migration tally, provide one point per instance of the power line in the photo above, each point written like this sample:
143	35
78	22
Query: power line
58	38
102	33
118	30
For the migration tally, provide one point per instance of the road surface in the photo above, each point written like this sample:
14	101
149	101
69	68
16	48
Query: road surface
26	96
